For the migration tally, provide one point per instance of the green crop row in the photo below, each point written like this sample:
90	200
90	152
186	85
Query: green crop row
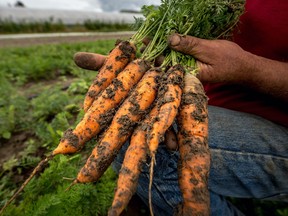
8	26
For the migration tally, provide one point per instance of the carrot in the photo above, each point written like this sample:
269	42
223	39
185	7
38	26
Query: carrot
194	163
102	109
135	157
168	102
96	118
121	128
116	61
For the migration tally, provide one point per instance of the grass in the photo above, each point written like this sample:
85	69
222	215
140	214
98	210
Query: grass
42	91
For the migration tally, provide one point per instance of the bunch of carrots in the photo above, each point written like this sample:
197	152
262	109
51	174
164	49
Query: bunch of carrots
137	99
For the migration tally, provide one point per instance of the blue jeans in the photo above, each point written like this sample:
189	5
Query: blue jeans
249	159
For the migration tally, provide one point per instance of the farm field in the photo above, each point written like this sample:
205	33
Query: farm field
42	91
41	95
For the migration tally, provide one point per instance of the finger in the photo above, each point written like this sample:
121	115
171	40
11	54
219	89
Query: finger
89	61
171	140
205	72
190	45
146	41
142	48
159	60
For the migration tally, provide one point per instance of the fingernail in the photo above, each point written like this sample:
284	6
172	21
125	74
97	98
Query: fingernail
174	40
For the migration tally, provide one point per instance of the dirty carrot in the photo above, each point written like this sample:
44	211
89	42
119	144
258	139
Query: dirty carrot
194	163
134	159
169	97
102	110
115	62
121	128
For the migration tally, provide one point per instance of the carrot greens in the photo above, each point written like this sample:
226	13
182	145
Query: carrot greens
210	19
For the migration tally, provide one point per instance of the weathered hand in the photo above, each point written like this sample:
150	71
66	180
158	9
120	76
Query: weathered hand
89	61
225	61
218	60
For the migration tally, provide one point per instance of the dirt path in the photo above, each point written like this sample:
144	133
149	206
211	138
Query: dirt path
22	40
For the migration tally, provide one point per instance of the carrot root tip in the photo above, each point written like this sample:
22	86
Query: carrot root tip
71	185
153	161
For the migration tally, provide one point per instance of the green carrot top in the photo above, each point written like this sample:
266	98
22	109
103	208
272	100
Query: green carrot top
207	19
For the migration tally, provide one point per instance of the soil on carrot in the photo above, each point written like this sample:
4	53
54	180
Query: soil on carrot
99	83
127	50
175	80
71	138
106	118
127	125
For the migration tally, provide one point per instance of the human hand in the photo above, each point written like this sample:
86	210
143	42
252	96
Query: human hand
89	61
217	60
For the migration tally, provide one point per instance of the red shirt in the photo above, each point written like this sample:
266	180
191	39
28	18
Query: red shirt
263	30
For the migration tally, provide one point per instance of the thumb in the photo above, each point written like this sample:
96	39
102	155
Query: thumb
202	50
186	44
90	61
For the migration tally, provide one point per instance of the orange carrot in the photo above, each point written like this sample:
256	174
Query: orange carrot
194	163
168	102
102	109
135	157
121	128
115	62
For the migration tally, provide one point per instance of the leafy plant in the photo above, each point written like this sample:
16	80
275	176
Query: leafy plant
49	198
7	117
49	103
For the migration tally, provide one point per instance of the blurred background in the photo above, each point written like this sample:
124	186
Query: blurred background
66	15
86	5
72	12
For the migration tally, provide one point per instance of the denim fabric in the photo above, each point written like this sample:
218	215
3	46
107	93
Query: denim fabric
249	159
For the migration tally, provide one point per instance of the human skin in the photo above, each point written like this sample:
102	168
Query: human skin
225	61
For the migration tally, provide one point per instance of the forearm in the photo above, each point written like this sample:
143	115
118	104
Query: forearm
267	76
